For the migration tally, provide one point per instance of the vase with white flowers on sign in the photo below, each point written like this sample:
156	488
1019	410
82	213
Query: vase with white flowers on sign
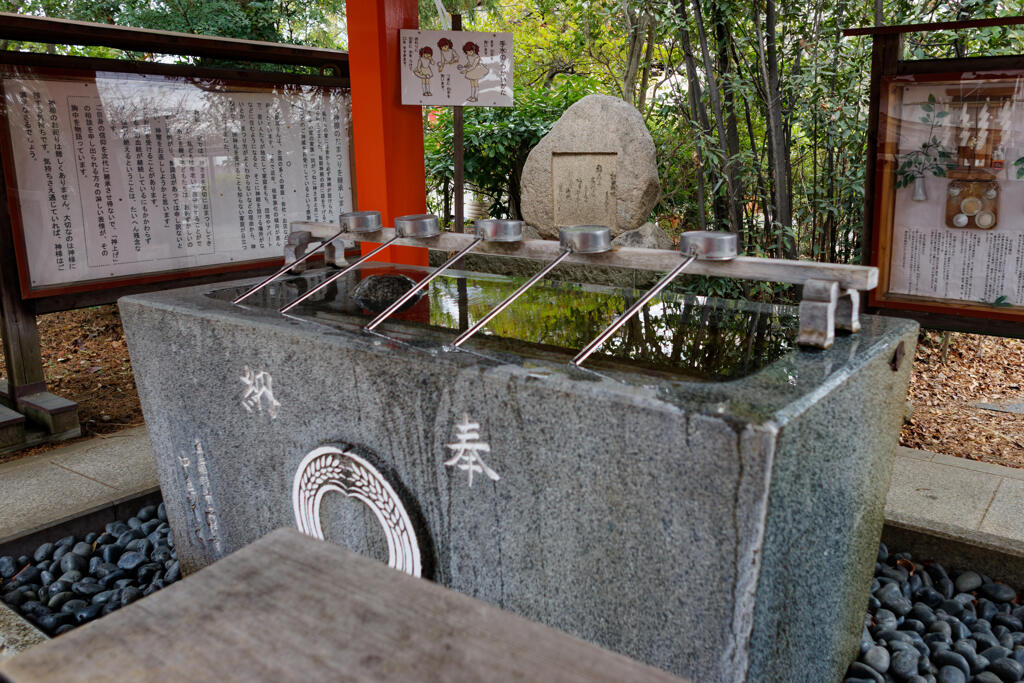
931	157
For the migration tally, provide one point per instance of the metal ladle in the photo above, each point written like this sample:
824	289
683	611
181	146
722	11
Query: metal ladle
698	244
355	221
489	230
419	226
578	239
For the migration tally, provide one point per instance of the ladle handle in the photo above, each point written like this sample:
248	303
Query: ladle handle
372	325
287	266
339	274
631	311
512	297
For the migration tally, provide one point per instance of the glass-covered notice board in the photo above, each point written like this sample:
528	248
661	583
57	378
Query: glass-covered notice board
948	224
112	176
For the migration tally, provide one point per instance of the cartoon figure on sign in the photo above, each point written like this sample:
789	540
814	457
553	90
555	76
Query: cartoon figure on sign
424	68
472	69
447	55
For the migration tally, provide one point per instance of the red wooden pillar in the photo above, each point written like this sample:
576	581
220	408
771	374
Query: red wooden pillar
387	136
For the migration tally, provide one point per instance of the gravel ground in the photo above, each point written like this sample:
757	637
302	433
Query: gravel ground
72	581
929	625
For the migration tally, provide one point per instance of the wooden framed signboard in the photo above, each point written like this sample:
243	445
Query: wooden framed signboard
118	178
945	187
949	217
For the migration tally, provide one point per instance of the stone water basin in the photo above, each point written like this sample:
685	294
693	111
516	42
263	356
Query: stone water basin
692	500
677	336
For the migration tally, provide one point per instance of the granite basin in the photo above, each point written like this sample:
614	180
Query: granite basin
706	498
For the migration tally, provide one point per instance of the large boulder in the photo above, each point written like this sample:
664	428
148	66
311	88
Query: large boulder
596	166
647	236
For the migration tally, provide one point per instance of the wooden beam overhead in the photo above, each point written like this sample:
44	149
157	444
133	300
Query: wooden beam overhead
934	26
68	32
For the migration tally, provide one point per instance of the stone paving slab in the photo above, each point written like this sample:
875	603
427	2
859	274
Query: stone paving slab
939	492
45	490
292	608
1015	408
1005	516
977	466
122	462
16	634
971	502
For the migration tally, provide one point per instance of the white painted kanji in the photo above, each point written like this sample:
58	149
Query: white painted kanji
468	449
204	516
259	392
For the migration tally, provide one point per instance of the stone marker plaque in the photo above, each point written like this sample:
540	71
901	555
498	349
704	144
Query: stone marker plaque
599	148
583	188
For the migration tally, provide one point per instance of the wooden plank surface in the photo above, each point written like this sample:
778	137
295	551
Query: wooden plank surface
291	608
861	278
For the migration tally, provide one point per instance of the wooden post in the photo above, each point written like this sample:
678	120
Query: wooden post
387	136
459	150
886	53
24	390
17	320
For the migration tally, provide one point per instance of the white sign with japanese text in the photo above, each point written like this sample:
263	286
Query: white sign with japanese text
122	175
958	214
456	68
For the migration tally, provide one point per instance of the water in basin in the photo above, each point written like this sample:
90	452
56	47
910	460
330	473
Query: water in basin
701	338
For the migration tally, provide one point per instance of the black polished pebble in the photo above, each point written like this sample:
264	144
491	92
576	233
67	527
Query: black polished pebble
904	663
929	625
968	581
43	552
73	562
57	601
71	581
877	658
29	575
986	677
1009	670
998	592
131	561
951	674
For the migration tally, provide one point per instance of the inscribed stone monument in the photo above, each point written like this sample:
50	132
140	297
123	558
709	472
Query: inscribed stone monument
596	166
647	236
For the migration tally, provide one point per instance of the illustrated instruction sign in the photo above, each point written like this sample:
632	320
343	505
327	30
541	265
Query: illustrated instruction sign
456	68
120	175
957	216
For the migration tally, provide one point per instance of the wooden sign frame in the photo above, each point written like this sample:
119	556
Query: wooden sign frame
109	289
889	68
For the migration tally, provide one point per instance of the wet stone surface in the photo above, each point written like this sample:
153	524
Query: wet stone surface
72	581
377	292
926	624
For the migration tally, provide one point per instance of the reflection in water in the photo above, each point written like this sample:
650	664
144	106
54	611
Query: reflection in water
706	338
377	292
701	338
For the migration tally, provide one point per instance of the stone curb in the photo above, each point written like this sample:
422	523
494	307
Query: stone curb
16	634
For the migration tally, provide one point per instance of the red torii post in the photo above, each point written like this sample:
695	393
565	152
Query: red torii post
387	136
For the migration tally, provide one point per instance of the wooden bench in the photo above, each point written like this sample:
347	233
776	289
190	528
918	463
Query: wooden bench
292	608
